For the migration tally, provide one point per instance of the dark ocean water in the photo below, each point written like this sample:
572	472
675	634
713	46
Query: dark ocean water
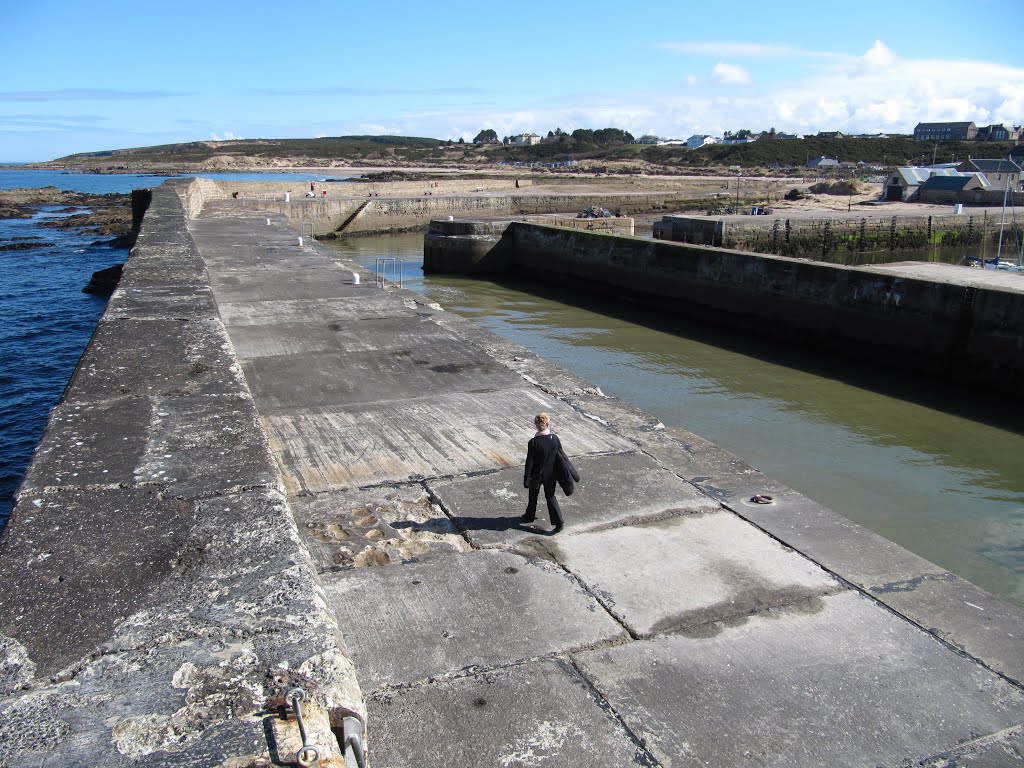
45	319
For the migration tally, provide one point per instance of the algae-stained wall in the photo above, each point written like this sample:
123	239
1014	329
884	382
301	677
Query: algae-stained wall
951	331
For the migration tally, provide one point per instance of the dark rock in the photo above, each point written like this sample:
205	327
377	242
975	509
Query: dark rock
104	281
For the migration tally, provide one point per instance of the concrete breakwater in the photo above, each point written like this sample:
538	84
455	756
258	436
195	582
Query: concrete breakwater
351	208
948	322
287	478
846	238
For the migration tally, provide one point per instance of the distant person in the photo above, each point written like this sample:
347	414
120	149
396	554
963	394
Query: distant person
547	465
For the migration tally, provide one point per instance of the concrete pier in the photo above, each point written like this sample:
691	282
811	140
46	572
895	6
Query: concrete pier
264	475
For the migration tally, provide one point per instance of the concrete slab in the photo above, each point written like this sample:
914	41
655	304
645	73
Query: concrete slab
963	615
338	447
841	682
157	357
161	302
71	574
164	276
332	310
314	336
374	526
689	571
323	379
189	445
550	377
281	285
614	490
1003	750
407	623
689	455
528	715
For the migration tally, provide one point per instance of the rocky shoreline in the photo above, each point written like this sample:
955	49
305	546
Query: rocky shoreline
107	214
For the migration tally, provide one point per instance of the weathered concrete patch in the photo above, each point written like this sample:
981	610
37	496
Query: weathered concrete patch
322	281
614	490
191	445
689	571
963	615
689	455
529	715
401	336
849	684
90	444
334	448
71	574
441	366
551	377
373	526
369	308
478	609
157	357
161	302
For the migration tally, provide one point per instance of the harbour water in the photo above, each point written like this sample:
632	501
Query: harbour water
936	469
939	471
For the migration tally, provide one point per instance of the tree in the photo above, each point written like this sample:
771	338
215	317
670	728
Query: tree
486	136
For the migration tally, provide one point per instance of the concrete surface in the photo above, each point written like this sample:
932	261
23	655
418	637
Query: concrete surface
333	502
533	714
833	682
479	610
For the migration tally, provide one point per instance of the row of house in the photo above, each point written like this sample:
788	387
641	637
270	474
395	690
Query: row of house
966	131
952	182
703	139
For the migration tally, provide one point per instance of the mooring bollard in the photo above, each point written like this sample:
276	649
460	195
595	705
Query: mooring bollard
300	242
355	278
268	222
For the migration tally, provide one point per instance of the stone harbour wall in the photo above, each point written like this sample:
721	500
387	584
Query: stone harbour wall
949	330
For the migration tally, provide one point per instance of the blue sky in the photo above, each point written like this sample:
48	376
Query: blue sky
82	77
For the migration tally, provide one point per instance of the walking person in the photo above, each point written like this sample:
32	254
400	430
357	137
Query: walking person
546	463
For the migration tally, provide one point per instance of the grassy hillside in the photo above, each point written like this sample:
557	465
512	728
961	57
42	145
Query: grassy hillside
615	155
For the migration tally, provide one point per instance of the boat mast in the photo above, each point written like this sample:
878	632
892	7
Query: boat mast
1002	224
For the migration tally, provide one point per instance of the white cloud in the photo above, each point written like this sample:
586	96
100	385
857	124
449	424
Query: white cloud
228	136
692	79
735	50
731	74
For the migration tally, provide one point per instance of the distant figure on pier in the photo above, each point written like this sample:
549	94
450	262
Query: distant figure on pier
547	465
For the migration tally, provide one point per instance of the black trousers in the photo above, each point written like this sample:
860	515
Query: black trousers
554	511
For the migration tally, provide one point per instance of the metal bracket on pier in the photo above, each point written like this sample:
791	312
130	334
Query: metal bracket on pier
352	742
308	755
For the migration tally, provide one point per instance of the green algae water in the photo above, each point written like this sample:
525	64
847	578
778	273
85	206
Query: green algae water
939	470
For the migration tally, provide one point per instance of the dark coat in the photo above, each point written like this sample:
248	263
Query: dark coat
565	473
546	463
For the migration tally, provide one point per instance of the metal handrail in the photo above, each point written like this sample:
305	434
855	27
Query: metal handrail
381	268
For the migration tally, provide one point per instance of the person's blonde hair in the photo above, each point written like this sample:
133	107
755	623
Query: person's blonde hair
542	420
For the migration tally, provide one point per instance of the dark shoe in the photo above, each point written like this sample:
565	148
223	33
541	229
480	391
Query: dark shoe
525	519
557	528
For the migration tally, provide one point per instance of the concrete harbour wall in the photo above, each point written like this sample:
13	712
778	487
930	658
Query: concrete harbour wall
953	331
159	598
359	208
155	593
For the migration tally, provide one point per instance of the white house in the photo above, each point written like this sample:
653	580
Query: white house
700	140
525	139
